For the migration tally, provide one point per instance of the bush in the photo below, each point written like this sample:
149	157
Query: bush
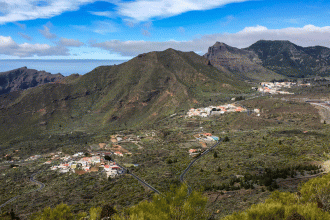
311	203
62	211
177	204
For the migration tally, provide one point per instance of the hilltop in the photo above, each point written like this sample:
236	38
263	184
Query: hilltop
138	92
242	63
24	78
291	60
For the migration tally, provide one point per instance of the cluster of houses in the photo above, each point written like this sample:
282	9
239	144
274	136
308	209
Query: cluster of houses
215	110
206	137
275	87
80	164
202	138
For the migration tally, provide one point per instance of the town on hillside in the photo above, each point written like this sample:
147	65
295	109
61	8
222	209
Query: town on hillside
218	110
277	87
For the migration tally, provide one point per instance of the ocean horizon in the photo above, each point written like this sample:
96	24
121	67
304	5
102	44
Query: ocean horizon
65	67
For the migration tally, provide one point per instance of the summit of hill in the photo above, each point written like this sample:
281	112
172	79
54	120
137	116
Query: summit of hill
140	91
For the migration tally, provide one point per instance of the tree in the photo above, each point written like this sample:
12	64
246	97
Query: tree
61	211
215	155
107	211
95	213
226	139
107	157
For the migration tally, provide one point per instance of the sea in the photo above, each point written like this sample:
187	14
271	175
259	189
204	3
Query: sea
65	67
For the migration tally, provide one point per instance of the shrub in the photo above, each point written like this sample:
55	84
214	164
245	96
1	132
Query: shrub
311	203
177	204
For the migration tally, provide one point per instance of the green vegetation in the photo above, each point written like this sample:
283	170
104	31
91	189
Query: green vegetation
177	204
312	202
279	150
61	211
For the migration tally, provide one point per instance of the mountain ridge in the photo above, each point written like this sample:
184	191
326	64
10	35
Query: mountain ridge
141	91
24	78
289	59
242	63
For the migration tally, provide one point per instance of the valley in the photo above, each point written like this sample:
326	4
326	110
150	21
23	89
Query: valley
119	135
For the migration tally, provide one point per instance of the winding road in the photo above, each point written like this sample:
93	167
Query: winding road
41	186
321	105
192	162
136	177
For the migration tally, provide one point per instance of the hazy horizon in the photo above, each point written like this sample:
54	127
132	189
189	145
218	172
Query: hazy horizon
64	66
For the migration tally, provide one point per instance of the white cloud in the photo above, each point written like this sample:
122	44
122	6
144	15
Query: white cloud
9	47
257	28
148	9
308	35
136	10
70	42
22	10
46	31
25	36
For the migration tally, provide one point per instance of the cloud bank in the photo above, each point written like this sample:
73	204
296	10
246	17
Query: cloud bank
308	35
9	47
70	42
14	10
148	9
137	10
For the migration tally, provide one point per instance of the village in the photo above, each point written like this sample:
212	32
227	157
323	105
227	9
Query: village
80	164
218	110
276	87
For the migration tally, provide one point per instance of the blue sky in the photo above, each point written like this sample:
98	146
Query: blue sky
118	29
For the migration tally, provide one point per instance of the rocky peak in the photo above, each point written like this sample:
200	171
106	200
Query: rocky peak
24	78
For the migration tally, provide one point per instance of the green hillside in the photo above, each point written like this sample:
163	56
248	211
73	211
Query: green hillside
138	92
291	60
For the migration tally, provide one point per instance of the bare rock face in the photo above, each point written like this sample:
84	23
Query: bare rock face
24	78
238	61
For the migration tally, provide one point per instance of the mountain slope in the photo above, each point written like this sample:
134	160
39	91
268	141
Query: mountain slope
242	63
292	60
24	78
138	92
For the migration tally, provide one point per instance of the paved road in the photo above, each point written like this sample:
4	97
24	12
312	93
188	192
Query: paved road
321	105
41	185
192	162
138	178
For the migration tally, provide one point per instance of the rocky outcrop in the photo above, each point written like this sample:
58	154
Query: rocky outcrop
24	78
245	64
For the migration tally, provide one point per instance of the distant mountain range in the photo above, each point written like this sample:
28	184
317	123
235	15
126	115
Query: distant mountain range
244	64
291	60
146	88
24	78
271	60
